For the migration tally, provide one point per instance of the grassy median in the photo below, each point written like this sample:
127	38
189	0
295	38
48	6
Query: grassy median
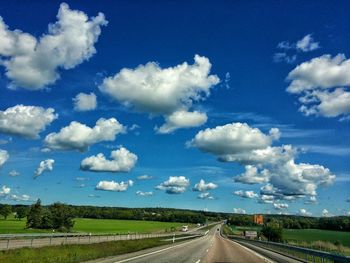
77	253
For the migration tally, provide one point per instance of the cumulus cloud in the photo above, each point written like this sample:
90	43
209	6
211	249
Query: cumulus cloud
46	165
264	163
182	119
20	198
26	121
122	160
77	136
304	212
266	199
14	173
325	213
169	92
203	187
283	57
4	190
311	200
85	102
114	186
3	157
280	206
245	194
323	86
239	211
205	195
141	193
307	44
230	141
144	177
174	185
33	63
251	175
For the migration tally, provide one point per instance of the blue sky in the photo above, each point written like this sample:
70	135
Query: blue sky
270	81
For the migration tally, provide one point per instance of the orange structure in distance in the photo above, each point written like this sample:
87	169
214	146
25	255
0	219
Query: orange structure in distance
259	219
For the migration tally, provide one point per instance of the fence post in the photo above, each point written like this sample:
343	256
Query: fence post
8	243
50	240
66	239
31	243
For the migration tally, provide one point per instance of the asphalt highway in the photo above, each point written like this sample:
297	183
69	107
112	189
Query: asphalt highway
212	248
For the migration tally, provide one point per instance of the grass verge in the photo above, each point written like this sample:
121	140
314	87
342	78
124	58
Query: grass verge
77	253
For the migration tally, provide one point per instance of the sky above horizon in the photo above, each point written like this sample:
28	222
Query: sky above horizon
235	106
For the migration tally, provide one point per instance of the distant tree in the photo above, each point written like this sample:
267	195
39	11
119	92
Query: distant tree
272	231
21	212
5	211
34	216
62	217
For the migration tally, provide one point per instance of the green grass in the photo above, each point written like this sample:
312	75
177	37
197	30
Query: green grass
77	253
121	226
310	235
85	225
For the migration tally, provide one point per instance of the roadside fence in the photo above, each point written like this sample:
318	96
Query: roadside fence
300	253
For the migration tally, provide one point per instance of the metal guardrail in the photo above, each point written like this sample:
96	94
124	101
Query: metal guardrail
30	240
305	254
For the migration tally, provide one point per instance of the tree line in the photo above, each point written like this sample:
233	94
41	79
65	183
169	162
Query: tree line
340	223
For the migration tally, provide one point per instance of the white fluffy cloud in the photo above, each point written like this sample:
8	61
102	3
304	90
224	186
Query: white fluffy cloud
245	194
14	173
325	213
169	92
174	185
251	175
205	195
122	160
141	193
26	121
182	119
3	157
4	190
264	163
79	137
85	102
304	212
280	206
230	141
33	63
307	44
323	86
203	187
21	198
239	211
114	186
144	177
46	165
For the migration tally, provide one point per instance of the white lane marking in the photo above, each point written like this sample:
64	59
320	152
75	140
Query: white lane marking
255	253
155	252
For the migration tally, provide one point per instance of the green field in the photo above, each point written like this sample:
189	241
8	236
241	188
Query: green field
14	226
310	235
74	253
306	235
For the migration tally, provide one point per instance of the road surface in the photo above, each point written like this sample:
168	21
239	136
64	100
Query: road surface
208	249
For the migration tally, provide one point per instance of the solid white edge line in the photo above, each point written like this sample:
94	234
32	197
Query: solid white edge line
252	251
155	252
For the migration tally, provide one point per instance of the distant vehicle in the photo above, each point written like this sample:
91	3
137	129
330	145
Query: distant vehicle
184	228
